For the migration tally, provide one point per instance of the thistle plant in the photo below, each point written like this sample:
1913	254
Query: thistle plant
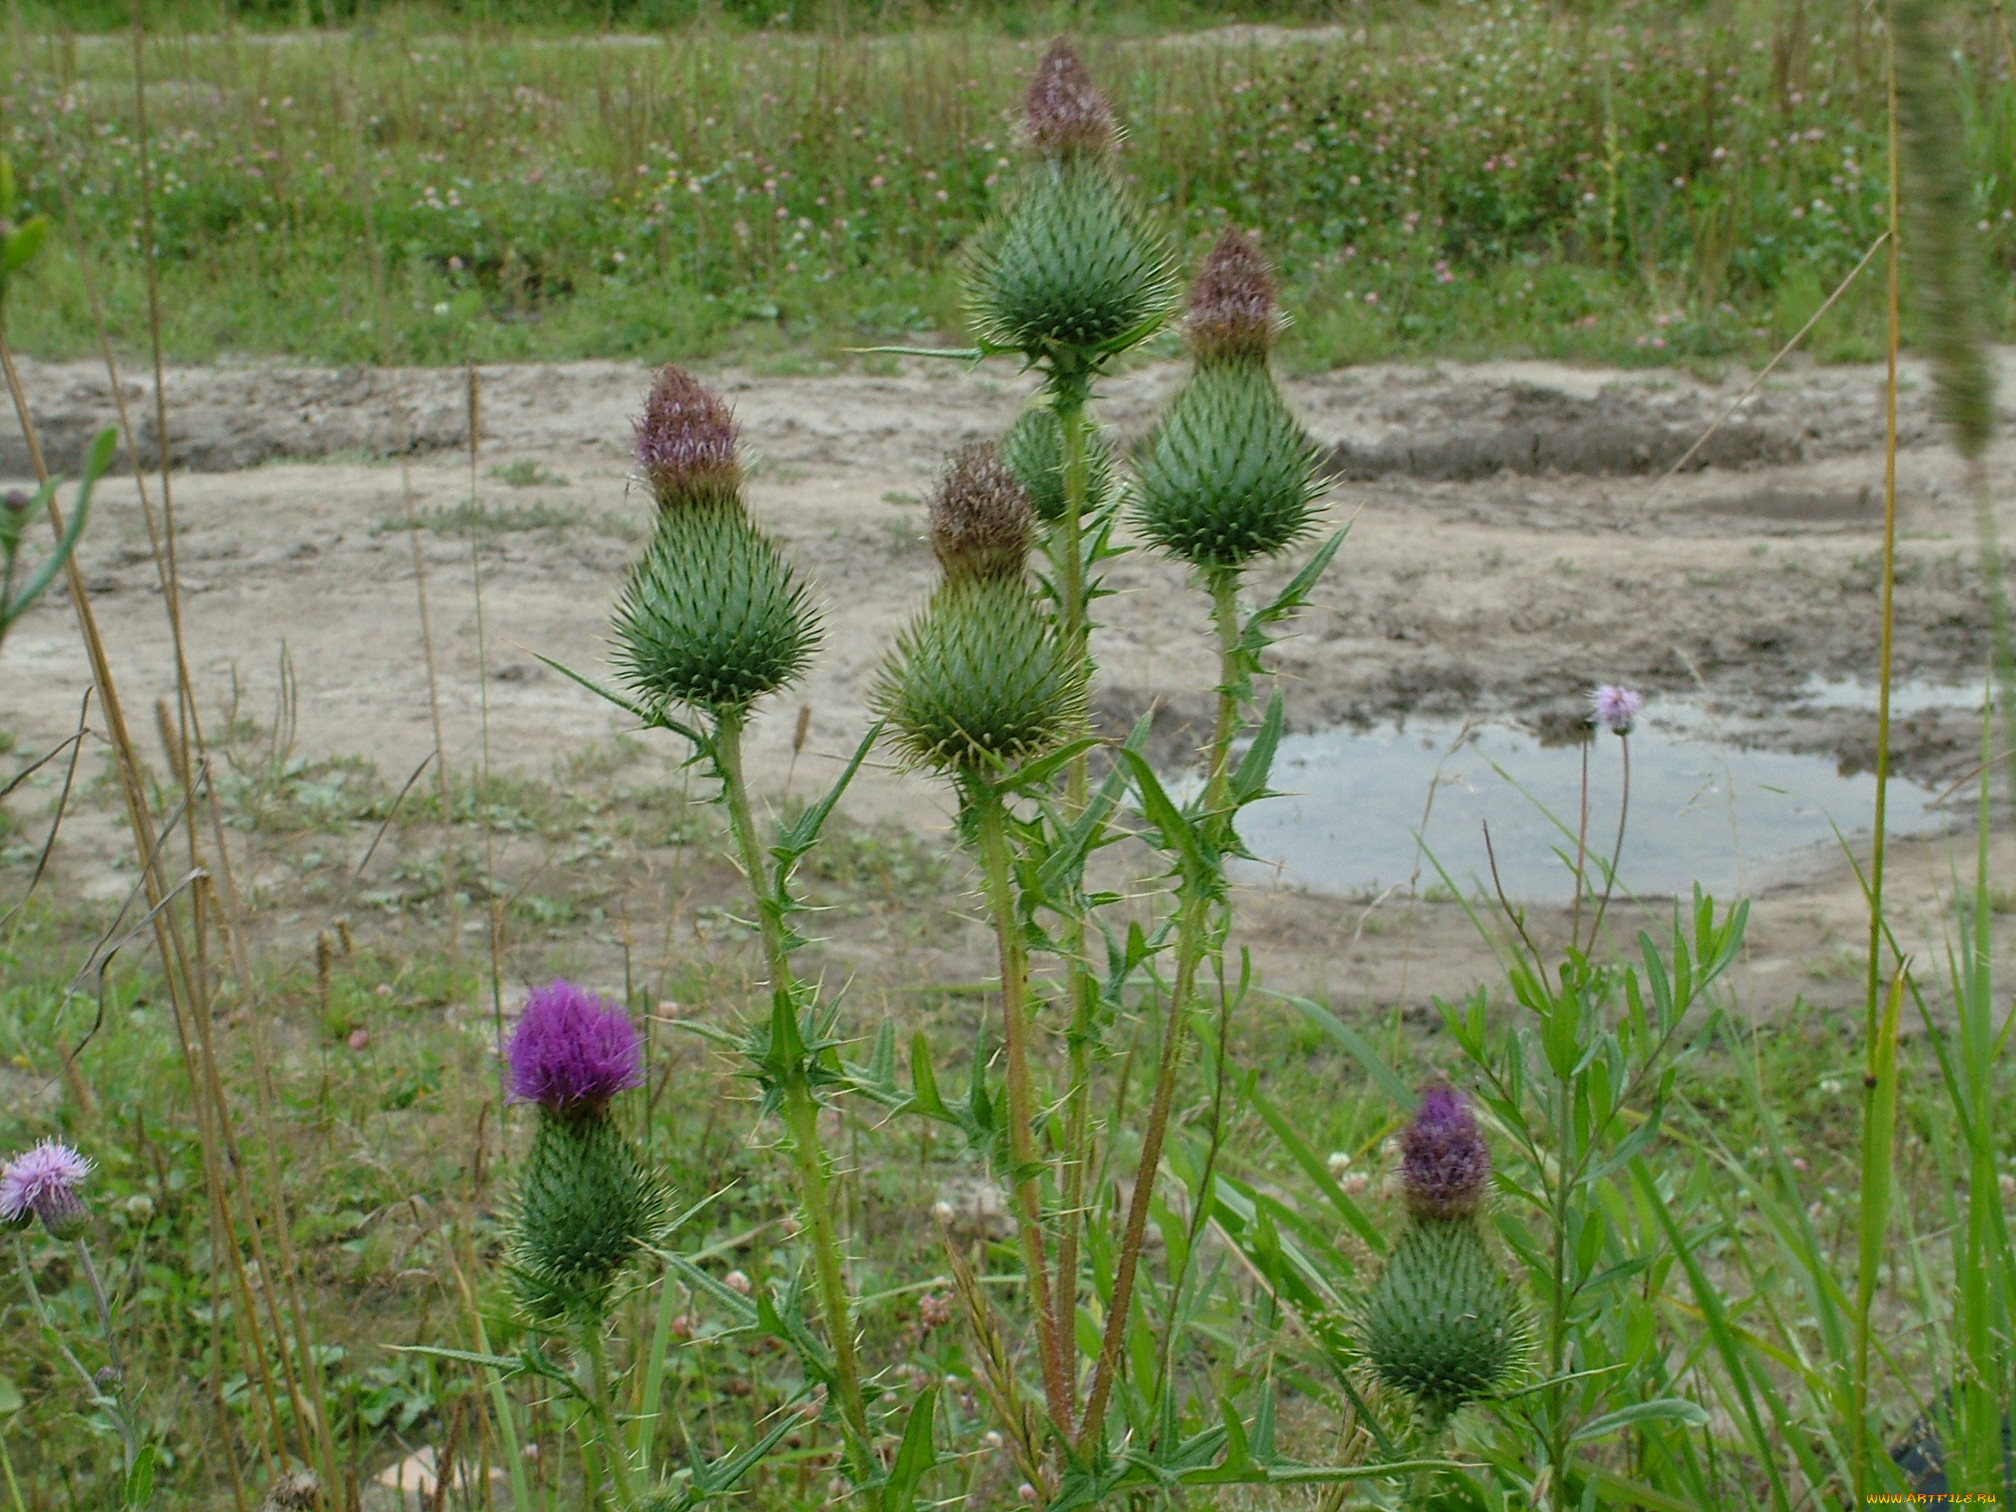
1442	1325
712	620
587	1206
976	687
41	1186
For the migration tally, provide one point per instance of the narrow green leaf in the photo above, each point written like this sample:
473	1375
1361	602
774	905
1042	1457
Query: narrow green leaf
1360	1050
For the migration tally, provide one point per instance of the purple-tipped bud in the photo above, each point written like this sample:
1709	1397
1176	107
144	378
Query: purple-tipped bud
572	1052
1616	708
15	499
42	1183
686	441
1063	112
982	524
1232	306
1444	1162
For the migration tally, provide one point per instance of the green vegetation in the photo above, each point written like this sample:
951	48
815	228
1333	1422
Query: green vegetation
1644	183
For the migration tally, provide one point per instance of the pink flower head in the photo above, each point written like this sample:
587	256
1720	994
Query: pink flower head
42	1183
1444	1162
572	1052
1232	309
1615	707
686	440
1063	111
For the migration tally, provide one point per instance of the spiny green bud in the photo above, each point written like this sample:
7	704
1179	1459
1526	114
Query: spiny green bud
977	683
1071	274
1228	473
1034	452
713	616
1442	1323
1233	315
1063	113
587	1204
981	522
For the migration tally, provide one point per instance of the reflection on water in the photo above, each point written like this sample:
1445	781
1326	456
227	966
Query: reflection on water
1702	810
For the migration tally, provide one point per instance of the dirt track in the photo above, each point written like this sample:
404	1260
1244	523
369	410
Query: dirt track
1508	549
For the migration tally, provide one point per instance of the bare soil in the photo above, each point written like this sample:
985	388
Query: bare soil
1512	542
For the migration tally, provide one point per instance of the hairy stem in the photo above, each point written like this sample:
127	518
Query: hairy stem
1084	987
991	821
609	1450
801	1107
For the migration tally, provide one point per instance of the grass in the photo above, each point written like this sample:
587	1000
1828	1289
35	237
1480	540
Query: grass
1649	185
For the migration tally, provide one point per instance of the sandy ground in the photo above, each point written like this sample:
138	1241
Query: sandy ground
1511	544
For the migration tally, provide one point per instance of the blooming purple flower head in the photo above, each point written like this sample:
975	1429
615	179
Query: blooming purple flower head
686	441
1615	707
1232	309
572	1052
1444	1163
42	1183
1063	112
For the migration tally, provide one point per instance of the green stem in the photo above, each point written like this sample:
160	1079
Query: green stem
609	1450
1192	936
801	1107
991	821
1084	987
1224	586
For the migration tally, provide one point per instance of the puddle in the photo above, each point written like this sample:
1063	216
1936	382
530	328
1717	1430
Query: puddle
1702	809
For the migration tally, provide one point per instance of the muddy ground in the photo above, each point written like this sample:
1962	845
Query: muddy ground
1512	542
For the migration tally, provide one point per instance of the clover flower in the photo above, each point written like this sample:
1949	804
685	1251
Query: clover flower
572	1052
42	1183
1444	1162
1615	707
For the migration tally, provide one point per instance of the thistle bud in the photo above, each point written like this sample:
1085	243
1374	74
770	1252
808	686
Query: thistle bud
1442	1324
586	1202
978	683
1072	274
686	442
981	522
1233	313
1033	450
1228	474
1063	113
1444	1163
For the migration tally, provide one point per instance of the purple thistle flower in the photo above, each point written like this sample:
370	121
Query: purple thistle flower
1232	309
1063	111
1615	707
42	1183
1444	1162
686	440
572	1052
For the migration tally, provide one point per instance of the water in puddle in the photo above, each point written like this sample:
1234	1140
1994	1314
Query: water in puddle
1702	810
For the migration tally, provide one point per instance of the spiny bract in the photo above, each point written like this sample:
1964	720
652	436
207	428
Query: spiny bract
977	682
713	616
1071	273
1228	474
1442	1323
586	1205
1034	452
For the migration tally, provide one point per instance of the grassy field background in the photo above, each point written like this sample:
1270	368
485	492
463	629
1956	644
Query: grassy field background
1636	183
